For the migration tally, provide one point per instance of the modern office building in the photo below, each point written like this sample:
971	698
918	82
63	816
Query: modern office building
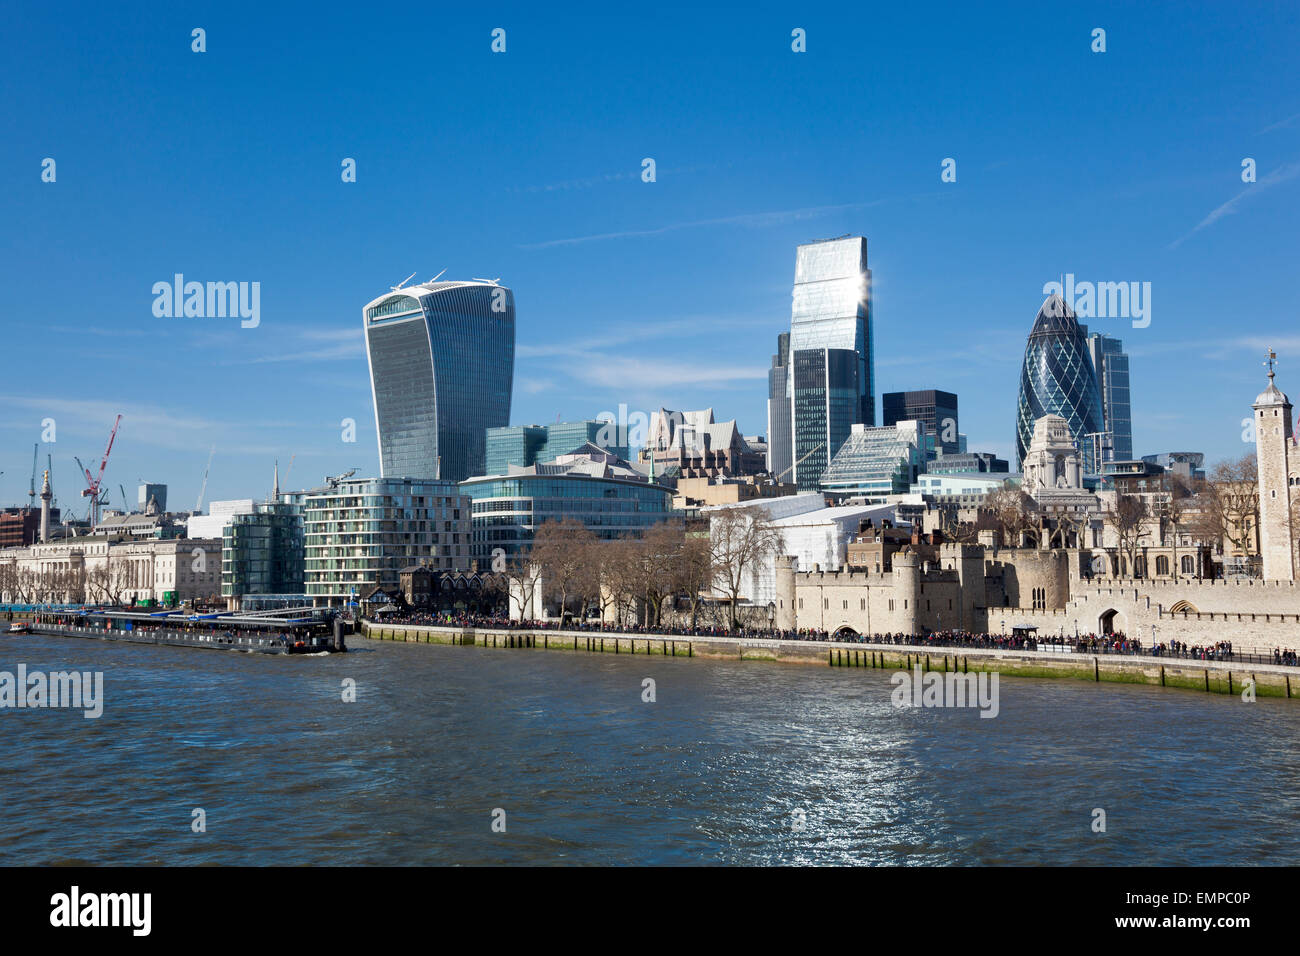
359	533
779	423
609	497
936	408
831	352
263	553
524	445
1188	465
974	462
152	496
1058	378
1110	362
876	462
441	360
825	408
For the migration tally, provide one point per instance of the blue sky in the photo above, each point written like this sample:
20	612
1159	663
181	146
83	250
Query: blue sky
225	166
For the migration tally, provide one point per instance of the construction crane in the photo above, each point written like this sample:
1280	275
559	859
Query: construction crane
126	505
203	489
777	479
31	488
49	470
334	481
91	490
289	469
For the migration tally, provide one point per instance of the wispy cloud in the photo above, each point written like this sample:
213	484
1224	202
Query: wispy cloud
339	344
755	220
1280	175
1281	124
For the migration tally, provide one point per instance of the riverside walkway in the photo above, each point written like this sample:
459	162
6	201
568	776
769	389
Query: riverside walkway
1226	677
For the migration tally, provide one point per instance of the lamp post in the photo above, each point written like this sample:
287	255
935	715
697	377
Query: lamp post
1004	626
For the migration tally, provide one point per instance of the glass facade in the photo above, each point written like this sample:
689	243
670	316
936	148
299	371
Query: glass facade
875	462
825	407
525	445
441	371
507	511
1110	363
938	410
780	445
360	533
831	309
263	552
1058	378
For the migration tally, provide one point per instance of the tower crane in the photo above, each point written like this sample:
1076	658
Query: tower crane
203	489
91	490
31	488
126	505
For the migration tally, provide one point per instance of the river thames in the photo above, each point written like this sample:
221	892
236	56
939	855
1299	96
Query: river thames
587	772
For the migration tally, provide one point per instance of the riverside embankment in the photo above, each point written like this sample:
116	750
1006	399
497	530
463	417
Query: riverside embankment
1222	677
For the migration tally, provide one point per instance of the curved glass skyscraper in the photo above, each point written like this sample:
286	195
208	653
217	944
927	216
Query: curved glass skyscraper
1058	378
442	360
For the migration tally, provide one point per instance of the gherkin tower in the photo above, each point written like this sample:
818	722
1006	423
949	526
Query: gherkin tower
1058	378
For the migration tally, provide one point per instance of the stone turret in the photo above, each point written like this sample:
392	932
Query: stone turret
1273	443
907	587
785	599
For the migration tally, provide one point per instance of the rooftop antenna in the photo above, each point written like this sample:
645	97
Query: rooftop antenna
397	288
435	278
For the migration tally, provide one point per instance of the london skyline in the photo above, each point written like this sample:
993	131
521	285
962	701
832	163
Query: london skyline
668	293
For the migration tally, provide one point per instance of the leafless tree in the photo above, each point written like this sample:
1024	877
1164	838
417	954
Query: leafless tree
694	572
1128	516
561	549
1229	504
1013	511
740	538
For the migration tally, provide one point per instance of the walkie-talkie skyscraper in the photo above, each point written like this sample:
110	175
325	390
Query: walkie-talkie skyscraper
442	359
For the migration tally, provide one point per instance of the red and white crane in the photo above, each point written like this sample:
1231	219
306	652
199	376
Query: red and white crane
91	490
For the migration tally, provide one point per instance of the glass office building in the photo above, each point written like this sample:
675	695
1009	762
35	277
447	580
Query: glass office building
262	553
1058	378
825	408
524	445
831	309
877	462
1110	363
359	533
442	358
507	510
780	442
937	409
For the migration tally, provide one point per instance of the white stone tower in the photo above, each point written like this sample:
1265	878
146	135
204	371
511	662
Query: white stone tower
1273	443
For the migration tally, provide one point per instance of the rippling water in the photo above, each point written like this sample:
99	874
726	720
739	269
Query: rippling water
587	773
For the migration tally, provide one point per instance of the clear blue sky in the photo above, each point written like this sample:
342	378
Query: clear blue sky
225	166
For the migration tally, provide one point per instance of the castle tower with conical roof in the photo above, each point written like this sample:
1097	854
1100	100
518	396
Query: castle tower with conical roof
1273	444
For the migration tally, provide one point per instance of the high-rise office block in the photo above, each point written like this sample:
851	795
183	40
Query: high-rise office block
779	424
1110	363
442	358
825	408
937	409
525	445
1058	378
830	318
